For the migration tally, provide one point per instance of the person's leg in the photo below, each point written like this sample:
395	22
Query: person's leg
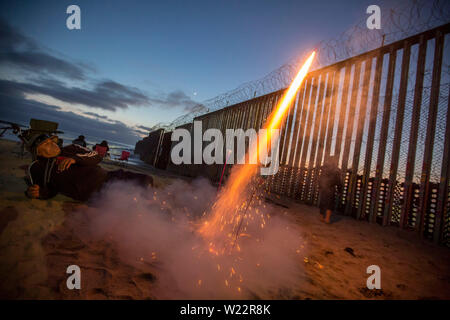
328	215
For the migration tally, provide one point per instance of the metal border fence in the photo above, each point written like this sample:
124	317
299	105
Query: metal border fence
386	119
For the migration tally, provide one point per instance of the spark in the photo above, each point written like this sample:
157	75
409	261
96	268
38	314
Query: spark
233	210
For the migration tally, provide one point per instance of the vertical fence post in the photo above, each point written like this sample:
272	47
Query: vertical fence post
444	187
343	109
301	137
333	104
413	135
351	116
311	107
295	138
312	154
375	204
362	210
397	134
352	99
351	189
431	130
324	124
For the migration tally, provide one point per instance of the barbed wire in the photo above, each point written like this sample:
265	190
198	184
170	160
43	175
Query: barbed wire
409	18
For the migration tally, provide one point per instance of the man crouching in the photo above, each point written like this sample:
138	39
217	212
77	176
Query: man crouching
72	170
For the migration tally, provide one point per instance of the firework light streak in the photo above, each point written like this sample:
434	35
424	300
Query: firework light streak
238	206
240	178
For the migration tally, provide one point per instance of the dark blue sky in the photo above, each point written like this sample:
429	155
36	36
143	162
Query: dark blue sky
174	52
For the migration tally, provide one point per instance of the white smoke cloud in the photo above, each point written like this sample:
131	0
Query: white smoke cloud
159	226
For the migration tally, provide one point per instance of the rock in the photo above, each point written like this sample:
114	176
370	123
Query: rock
350	251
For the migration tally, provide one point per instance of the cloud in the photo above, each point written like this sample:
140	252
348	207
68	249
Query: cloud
177	99
17	109
100	96
21	51
93	114
42	72
144	128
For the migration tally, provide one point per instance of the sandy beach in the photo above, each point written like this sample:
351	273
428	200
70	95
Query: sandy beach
40	238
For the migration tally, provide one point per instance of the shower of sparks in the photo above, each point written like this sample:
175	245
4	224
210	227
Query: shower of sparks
238	207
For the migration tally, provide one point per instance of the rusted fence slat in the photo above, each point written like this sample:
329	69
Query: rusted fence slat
397	134
307	139
431	130
284	133
301	136
295	138
323	128
383	137
312	154
444	183
343	109
333	100
351	189
287	132
370	137
351	117
301	113
413	135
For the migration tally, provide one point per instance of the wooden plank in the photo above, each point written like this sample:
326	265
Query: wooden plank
431	130
383	136
397	133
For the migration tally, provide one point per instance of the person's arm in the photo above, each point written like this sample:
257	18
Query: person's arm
36	190
81	155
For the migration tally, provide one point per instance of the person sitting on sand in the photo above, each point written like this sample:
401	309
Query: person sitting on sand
72	170
80	141
330	178
103	144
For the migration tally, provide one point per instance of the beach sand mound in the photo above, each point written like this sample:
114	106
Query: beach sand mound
40	239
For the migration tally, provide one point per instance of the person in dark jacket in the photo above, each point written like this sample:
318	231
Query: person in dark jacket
80	141
72	170
329	179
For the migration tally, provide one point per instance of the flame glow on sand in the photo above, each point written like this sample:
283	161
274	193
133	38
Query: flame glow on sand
237	210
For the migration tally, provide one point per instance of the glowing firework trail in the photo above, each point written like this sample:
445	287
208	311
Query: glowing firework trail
224	167
227	214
